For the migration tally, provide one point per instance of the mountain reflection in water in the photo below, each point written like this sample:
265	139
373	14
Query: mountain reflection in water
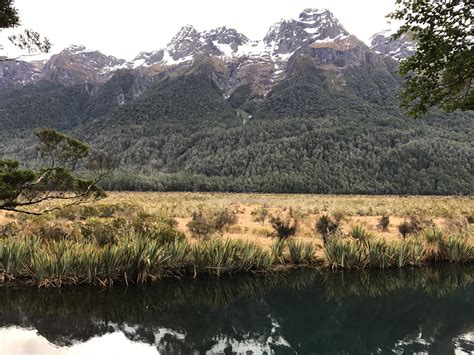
428	310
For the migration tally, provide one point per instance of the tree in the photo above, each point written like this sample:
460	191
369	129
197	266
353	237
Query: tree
54	185
441	71
28	40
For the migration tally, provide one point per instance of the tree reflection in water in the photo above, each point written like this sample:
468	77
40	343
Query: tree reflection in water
427	310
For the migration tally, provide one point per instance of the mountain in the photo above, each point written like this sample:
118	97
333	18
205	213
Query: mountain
308	108
399	48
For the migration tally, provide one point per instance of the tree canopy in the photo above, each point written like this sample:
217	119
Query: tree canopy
54	185
442	70
29	40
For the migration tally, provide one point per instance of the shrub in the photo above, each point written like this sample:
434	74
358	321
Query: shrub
384	222
260	214
470	219
326	226
405	228
10	229
199	226
102	232
203	225
222	218
414	226
284	228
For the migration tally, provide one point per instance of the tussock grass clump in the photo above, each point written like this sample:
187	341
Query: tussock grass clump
134	260
360	234
354	254
433	236
456	249
301	252
278	247
218	257
342	253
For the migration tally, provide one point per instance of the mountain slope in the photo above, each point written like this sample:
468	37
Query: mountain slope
309	108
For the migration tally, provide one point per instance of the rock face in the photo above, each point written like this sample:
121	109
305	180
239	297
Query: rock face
233	59
76	64
17	73
400	48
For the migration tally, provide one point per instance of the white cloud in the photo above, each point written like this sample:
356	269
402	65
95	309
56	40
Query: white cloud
124	28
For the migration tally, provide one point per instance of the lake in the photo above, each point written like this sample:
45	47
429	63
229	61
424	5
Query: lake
304	311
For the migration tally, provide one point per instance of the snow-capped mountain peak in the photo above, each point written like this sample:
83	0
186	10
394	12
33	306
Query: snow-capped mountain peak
312	25
400	48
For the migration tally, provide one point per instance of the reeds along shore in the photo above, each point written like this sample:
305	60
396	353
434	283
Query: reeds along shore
140	258
138	248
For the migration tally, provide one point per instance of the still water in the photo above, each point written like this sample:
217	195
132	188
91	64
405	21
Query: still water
422	311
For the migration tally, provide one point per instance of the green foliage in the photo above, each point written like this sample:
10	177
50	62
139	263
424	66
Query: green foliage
360	234
305	136
433	236
8	14
456	249
204	225
278	247
55	181
341	253
350	254
301	252
284	227
441	71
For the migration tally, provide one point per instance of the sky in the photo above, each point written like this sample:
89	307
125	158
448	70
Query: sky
124	28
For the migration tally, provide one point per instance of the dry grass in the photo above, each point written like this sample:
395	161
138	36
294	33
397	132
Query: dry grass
357	209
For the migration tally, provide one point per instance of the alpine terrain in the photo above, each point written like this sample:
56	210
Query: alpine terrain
308	108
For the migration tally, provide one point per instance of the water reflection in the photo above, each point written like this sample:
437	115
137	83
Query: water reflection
299	312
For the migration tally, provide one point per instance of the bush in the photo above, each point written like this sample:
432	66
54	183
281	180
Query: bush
405	229
384	222
326	226
10	229
414	226
102	232
260	214
203	225
222	218
284	229
199	226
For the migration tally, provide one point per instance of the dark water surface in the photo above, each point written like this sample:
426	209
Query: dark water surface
423	311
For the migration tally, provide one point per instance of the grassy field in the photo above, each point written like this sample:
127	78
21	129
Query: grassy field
446	212
138	237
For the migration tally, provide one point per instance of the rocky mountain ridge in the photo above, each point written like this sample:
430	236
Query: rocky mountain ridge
262	62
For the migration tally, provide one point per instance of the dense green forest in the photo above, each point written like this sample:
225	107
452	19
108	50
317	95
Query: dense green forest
309	134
